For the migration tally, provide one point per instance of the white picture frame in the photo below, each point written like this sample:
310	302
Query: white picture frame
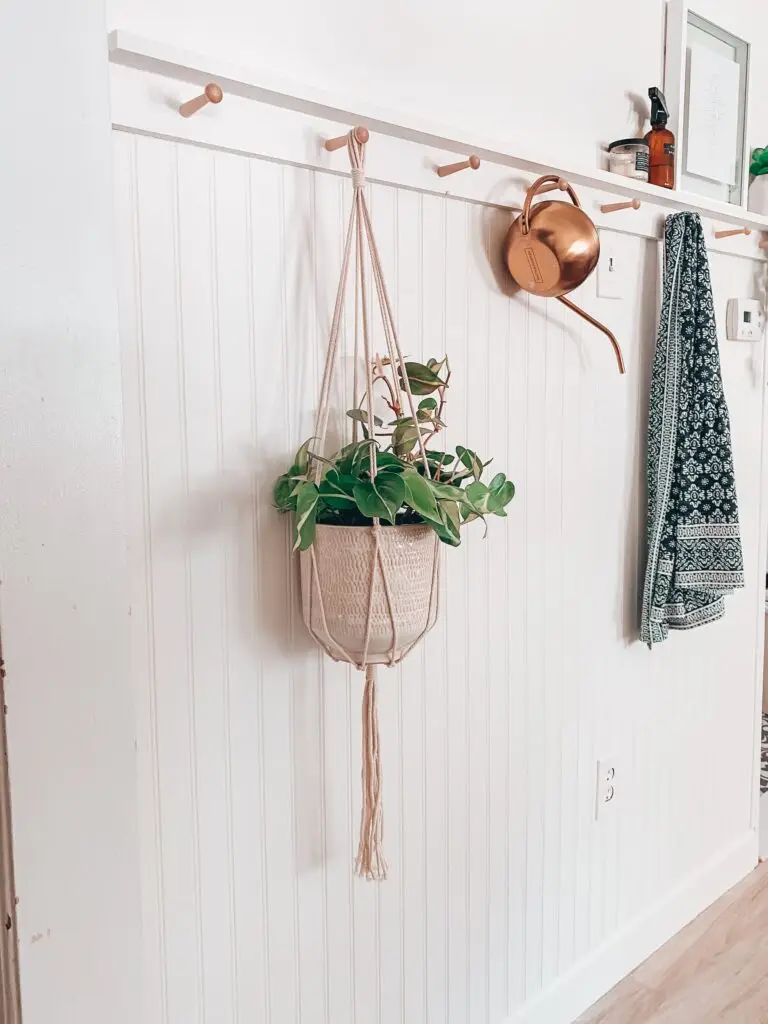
693	39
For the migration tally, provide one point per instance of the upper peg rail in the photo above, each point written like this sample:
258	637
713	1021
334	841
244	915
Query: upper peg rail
212	94
361	134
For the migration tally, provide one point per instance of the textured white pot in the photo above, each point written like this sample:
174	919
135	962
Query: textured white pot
336	582
758	195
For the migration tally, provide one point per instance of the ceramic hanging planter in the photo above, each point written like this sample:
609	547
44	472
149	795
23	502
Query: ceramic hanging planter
369	519
366	606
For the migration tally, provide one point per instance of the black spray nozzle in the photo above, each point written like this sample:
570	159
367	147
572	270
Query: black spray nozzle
659	109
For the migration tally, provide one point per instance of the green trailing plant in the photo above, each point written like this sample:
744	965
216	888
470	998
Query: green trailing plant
759	164
401	493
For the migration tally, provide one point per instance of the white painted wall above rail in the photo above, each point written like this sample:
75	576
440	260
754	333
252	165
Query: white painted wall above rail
261	117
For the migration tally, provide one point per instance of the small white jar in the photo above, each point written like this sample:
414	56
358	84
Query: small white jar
629	157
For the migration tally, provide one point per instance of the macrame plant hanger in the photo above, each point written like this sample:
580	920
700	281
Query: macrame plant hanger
370	862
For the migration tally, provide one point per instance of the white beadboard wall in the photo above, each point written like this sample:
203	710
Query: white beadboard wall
506	900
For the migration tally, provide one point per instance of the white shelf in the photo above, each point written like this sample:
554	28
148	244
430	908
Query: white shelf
171	62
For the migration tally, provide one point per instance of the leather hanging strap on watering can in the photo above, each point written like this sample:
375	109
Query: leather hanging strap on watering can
553	247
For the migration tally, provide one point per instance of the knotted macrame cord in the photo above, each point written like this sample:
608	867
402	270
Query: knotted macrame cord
370	862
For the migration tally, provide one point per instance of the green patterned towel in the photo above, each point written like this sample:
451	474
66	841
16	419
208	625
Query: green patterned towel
694	545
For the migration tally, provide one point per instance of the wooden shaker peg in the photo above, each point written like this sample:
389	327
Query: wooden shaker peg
633	204
463	165
361	134
733	231
212	94
764	245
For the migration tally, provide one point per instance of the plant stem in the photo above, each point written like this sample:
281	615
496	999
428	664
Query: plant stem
394	404
439	413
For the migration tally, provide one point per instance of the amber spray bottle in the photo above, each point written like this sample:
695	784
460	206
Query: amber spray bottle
661	143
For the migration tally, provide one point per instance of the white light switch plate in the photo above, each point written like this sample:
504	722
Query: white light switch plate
613	266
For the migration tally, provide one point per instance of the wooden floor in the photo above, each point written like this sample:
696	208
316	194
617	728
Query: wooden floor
715	970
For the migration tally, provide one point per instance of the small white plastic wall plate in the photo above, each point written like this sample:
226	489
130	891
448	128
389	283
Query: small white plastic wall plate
744	320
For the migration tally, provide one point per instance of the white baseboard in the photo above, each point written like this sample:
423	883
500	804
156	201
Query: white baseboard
576	990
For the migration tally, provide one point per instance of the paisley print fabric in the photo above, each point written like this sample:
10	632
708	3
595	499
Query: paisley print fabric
694	544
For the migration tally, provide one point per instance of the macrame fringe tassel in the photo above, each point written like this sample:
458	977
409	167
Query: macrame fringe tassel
370	861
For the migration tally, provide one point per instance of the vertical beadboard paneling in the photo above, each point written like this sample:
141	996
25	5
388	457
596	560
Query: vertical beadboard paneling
391	921
140	554
535	486
479	678
249	740
409	271
199	518
165	484
569	683
306	693
456	607
340	764
517	630
495	633
553	616
274	434
435	767
236	326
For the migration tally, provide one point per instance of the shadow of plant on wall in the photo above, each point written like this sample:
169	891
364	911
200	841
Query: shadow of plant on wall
217	520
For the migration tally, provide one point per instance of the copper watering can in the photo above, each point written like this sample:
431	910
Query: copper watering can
553	247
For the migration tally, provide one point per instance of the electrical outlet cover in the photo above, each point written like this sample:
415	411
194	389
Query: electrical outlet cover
606	789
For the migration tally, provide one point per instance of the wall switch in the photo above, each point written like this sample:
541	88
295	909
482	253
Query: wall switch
613	266
606	790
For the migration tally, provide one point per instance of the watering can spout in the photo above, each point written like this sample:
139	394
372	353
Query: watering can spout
596	323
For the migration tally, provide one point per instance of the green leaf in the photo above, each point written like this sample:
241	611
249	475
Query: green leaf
362	417
436	366
337	490
478	496
404	437
386	461
446	492
501	497
470	460
498	481
351	457
440	458
380	497
301	461
449	529
420	496
422	379
283	492
427	403
306	514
